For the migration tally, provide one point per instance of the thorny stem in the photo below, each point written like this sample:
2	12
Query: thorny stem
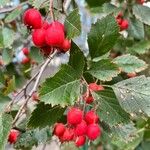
51	9
34	87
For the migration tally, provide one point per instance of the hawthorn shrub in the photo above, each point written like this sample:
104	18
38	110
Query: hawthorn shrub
98	99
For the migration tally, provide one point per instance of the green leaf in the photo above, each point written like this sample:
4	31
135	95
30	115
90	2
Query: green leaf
8	37
142	13
1	39
129	63
45	115
103	36
133	95
36	55
104	70
73	24
7	55
77	59
32	138
13	15
140	47
63	88
96	3
109	110
38	3
3	102
124	133
5	126
136	29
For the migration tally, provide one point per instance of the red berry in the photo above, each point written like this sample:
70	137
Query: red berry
46	50
58	25
13	135
54	36
91	117
119	21
74	116
59	129
80	141
38	37
25	60
120	15
124	25
35	96
93	131
131	75
81	128
25	50
32	18
68	135
95	87
89	99
66	45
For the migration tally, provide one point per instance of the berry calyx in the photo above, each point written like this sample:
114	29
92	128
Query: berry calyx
80	141
59	129
95	87
74	116
54	36
81	129
25	51
32	18
13	135
25	60
124	25
38	37
93	131
66	45
91	117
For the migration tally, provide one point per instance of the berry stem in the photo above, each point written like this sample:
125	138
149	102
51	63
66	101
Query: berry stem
51	10
34	87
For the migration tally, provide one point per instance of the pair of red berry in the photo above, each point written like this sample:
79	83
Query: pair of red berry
92	87
123	23
46	35
79	127
26	52
13	135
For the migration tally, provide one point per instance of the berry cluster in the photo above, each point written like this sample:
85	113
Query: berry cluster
79	127
93	87
123	23
13	135
46	35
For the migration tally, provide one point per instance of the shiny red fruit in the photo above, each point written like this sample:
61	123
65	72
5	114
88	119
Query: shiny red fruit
93	131
32	18
38	37
26	51
13	135
74	116
81	129
80	141
59	129
68	135
45	25
58	25
25	60
54	36
91	117
95	87
66	45
124	25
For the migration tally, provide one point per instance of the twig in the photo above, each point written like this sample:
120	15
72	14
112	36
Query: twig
51	9
35	87
5	10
